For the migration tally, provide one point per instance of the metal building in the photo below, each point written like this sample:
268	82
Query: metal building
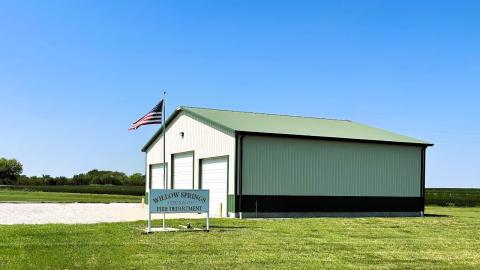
266	165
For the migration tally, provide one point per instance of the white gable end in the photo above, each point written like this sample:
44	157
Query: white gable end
188	134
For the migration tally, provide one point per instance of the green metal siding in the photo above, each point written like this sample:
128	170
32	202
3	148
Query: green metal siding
290	166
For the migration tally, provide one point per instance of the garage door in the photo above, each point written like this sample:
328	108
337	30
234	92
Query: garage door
183	171
156	176
214	178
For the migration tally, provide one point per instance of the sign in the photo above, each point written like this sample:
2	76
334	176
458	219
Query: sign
179	201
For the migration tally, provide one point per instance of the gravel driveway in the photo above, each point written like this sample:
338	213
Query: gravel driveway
76	213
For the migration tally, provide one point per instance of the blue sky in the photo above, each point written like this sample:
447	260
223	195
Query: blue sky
75	74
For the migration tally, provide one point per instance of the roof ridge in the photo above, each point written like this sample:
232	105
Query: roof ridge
274	114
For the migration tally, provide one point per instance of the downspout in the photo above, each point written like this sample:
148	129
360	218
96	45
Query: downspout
424	150
240	173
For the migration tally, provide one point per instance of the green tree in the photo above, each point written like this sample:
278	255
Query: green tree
10	169
136	179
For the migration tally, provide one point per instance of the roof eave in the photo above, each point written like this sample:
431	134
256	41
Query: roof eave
424	144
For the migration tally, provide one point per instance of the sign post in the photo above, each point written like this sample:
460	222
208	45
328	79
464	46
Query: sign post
178	201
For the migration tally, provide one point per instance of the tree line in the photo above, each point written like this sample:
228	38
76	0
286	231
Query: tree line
11	174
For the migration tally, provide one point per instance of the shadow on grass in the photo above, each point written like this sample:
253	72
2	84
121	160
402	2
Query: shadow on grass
435	215
228	227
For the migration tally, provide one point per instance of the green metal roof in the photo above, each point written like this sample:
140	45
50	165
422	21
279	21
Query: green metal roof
291	125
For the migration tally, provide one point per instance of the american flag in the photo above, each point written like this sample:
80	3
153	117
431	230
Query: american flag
152	117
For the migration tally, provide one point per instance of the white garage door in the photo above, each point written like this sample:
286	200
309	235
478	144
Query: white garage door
156	176
214	178
183	171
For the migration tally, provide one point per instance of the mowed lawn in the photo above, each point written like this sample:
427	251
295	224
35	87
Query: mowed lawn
448	240
7	195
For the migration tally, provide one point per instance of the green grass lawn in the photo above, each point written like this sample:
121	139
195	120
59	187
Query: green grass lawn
7	195
449	240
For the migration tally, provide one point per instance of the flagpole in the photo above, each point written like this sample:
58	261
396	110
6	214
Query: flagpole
164	149
146	120
149	222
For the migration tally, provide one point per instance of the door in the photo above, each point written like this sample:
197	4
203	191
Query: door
156	176
183	171
214	177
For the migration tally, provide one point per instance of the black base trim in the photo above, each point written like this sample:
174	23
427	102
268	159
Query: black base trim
271	203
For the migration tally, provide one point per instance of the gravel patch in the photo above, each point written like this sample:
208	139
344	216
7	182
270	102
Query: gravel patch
77	213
